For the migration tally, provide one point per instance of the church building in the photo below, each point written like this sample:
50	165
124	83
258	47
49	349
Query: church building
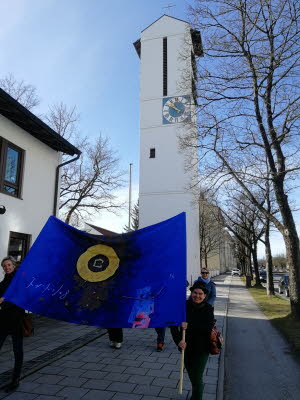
167	50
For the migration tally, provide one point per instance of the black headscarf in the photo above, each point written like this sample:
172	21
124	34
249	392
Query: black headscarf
6	282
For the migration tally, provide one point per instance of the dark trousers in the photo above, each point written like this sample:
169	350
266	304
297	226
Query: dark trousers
115	334
161	331
17	341
195	365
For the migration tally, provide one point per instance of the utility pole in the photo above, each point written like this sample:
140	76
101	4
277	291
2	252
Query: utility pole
129	207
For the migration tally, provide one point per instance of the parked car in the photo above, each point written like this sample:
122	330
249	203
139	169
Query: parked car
284	285
263	275
235	272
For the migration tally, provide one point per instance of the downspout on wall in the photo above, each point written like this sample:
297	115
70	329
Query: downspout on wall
57	179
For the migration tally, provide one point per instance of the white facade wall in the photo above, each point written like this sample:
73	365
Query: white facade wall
163	181
165	172
28	214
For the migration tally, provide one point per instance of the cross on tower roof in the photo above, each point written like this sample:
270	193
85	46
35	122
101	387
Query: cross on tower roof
168	7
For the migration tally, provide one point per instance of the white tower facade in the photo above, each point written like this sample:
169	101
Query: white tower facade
167	49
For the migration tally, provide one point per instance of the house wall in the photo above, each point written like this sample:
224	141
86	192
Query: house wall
214	264
28	214
163	180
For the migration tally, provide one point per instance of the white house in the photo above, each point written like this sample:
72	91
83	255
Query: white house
30	157
167	50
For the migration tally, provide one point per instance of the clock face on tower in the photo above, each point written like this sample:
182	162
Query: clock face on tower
176	109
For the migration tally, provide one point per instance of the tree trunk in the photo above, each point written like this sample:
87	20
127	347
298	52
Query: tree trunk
255	265
205	260
293	262
67	220
248	268
244	266
200	259
269	261
291	240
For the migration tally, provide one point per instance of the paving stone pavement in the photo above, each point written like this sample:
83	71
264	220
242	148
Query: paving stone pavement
49	335
94	371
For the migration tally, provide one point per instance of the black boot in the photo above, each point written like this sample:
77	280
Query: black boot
14	384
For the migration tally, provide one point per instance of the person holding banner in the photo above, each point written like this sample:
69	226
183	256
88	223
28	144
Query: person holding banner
11	318
198	325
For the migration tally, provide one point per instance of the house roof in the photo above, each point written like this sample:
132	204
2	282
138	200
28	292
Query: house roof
103	231
164	15
18	114
196	38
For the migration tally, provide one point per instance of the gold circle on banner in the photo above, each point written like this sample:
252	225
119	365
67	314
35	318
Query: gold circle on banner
83	262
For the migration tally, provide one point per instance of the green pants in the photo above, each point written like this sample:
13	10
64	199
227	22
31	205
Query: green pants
195	365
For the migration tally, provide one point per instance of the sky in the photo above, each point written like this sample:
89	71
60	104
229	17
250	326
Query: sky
80	52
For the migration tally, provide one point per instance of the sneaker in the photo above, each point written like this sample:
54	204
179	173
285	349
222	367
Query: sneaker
118	345
159	347
112	344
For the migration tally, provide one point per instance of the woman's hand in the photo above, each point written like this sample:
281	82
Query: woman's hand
1	300
184	325
182	345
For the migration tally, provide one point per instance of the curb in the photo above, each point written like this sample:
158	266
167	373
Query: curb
221	374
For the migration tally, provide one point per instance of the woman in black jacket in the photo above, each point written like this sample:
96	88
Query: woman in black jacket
200	321
11	317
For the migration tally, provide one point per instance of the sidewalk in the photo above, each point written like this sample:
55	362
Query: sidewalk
52	340
66	361
258	361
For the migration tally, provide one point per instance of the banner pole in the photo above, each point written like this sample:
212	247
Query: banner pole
182	363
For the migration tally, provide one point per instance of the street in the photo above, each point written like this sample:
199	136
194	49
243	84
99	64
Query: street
276	277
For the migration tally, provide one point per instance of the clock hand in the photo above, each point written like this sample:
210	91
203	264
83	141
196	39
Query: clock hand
174	107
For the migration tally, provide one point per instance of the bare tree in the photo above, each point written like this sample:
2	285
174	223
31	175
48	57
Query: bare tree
243	220
24	93
244	257
268	250
88	185
210	230
249	105
63	120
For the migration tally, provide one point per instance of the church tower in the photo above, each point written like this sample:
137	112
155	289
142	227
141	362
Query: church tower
167	50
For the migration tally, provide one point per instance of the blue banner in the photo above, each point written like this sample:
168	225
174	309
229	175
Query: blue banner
133	280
